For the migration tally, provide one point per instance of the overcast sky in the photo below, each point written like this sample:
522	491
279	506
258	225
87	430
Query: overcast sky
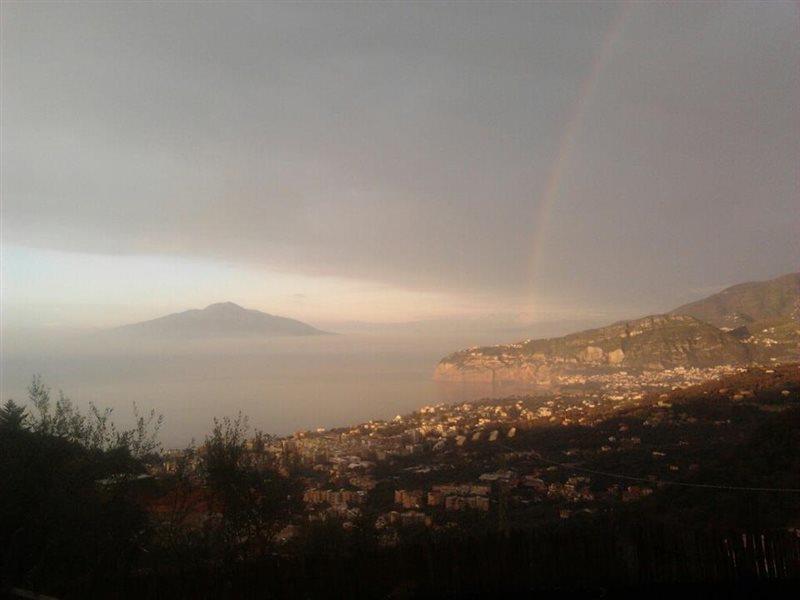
391	161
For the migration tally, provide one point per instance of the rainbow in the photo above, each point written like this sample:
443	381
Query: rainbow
566	142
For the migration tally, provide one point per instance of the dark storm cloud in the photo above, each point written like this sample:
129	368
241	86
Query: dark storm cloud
410	143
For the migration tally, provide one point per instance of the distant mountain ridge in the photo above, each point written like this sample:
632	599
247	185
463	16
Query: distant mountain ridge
749	303
757	321
223	319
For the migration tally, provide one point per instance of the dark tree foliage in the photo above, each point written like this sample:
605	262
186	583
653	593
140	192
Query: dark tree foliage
75	520
67	519
252	498
12	416
72	509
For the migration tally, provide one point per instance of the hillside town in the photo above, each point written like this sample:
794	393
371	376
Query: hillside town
507	460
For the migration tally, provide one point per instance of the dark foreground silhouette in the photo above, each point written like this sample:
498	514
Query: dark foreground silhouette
80	518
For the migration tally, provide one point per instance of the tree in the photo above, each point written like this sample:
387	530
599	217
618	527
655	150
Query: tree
254	500
69	515
12	416
95	431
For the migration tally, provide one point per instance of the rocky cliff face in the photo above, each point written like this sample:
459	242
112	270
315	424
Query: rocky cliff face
655	342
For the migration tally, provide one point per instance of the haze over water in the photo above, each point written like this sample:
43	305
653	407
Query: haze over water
281	384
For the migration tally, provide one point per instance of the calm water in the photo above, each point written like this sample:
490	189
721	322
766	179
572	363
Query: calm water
283	385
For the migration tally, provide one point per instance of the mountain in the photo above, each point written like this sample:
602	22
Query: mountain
654	342
758	321
748	303
224	319
765	314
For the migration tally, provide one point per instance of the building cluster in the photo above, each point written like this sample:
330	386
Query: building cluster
449	497
315	496
631	385
444	462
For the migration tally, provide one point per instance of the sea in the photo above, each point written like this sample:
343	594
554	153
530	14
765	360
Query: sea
282	385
